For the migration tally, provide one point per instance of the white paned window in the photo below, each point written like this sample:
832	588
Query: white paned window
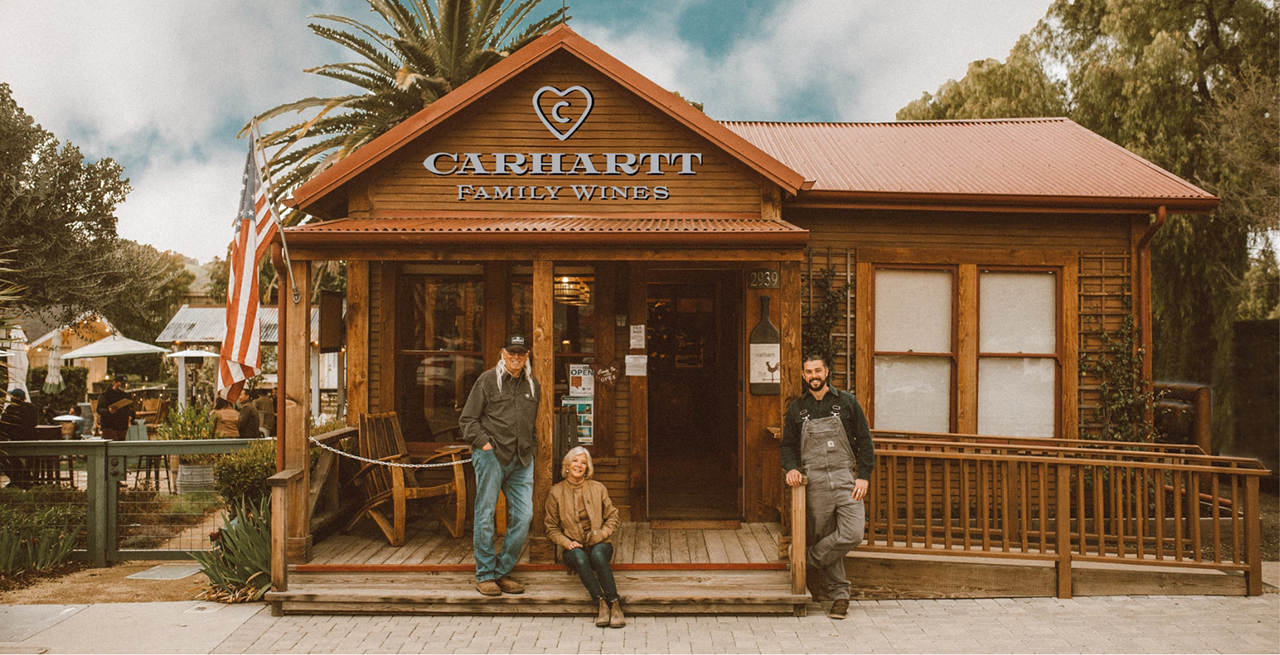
1017	365
1017	312
913	311
913	393
913	344
1016	396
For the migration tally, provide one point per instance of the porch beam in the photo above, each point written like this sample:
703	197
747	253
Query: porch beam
585	254
357	340
296	362
540	548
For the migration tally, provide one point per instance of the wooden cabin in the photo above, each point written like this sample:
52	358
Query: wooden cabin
563	195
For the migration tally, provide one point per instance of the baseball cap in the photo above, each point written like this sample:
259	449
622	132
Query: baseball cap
516	343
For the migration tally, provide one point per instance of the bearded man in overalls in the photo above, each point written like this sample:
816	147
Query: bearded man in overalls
826	437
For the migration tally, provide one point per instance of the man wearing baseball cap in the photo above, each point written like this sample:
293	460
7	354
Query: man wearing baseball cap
499	422
114	416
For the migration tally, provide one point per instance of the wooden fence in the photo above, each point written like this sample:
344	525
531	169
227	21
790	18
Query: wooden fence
1065	501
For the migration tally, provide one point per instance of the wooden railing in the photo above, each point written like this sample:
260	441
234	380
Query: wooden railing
280	484
1066	501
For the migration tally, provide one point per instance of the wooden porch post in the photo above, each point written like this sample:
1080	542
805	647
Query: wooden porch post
296	364
357	340
540	549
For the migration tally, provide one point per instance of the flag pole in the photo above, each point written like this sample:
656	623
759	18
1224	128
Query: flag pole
256	135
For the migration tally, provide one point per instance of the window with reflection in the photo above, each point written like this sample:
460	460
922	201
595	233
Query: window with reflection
573	321
440	316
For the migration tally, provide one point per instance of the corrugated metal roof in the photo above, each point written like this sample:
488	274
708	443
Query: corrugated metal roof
555	230
207	325
1033	157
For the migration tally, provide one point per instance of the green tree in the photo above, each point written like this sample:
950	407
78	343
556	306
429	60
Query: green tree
57	219
428	52
1019	86
142	311
1190	87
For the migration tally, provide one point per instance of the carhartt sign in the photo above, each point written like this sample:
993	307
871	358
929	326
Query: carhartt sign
559	119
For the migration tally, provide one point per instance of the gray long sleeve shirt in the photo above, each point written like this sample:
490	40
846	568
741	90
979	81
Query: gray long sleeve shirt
506	418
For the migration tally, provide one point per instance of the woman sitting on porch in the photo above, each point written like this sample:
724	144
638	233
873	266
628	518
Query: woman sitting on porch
580	519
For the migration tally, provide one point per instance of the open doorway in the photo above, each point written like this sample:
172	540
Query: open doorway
694	329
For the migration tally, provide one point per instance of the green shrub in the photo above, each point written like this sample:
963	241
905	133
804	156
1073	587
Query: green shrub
239	566
35	536
241	476
190	422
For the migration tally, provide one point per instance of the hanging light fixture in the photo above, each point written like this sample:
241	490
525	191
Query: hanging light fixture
570	290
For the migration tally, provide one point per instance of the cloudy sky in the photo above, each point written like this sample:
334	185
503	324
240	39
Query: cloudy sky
162	86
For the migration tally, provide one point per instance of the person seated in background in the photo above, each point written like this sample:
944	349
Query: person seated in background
77	425
580	519
18	422
248	422
265	403
226	419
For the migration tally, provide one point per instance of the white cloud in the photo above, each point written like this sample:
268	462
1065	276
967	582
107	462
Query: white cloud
861	60
163	86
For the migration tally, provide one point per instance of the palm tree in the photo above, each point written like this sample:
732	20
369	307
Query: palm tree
428	53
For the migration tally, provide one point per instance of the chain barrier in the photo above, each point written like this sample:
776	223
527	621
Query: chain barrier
374	461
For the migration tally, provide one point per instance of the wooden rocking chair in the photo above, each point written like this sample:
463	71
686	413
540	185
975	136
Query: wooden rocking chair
381	439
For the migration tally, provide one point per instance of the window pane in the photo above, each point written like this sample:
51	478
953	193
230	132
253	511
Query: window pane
574	302
1016	396
913	311
1017	312
440	312
913	393
432	389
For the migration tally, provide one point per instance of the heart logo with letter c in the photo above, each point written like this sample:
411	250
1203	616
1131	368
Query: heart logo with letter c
555	115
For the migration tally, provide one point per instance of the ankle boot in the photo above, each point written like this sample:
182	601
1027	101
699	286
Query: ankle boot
616	619
602	619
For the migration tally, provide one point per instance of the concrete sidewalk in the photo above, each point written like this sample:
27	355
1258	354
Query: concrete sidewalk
1138	624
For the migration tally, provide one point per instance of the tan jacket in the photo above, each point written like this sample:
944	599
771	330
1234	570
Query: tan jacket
562	515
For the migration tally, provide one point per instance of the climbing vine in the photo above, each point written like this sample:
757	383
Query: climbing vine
821	315
1127	398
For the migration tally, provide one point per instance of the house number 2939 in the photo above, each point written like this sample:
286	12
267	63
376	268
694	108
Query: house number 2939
765	278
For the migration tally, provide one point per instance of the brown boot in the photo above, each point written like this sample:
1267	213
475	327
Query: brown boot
602	619
616	619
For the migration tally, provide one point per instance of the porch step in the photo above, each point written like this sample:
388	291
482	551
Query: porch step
547	592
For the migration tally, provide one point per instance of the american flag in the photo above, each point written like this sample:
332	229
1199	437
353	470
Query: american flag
255	226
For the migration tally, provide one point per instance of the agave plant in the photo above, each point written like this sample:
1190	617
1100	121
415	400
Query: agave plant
427	52
239	565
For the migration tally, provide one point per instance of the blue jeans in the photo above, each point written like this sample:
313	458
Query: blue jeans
516	483
592	565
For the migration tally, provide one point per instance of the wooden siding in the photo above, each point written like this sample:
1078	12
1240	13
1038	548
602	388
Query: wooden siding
618	123
1106	297
967	230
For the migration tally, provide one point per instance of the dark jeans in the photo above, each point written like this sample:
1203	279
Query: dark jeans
592	565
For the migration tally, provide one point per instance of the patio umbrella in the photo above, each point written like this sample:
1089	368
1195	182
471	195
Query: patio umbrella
18	362
112	346
53	379
183	355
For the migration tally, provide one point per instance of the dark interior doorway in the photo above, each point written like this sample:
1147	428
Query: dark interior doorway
694	330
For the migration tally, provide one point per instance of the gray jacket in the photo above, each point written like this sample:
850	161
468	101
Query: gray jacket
505	418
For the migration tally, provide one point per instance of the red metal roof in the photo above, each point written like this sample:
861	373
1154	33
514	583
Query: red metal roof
560	231
1031	162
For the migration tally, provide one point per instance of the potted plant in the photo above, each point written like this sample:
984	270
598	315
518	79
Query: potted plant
195	472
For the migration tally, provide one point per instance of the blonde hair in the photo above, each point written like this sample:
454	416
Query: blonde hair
568	457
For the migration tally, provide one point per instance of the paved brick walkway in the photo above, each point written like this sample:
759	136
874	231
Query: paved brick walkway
1136	624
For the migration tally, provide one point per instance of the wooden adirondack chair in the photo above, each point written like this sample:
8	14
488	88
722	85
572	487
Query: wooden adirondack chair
381	439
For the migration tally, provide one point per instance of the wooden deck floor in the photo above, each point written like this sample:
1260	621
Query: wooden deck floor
680	571
634	543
